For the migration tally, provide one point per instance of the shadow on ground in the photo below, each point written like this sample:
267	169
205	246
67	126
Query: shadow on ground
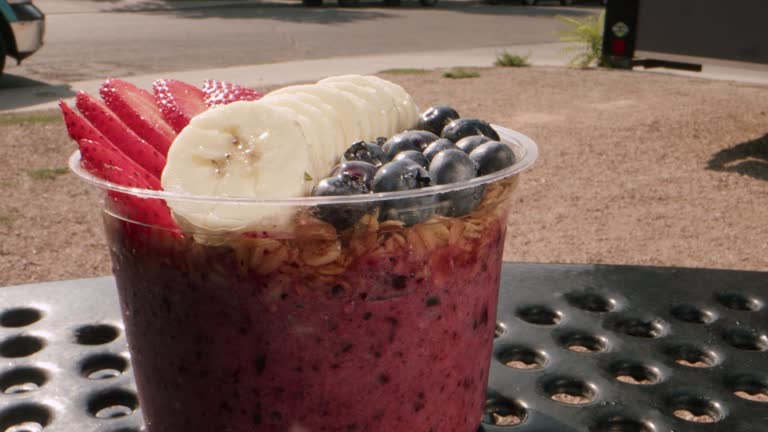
748	158
20	92
330	13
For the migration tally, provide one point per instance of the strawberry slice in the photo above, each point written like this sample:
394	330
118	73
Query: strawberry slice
104	160
136	107
110	164
80	129
178	101
119	134
223	93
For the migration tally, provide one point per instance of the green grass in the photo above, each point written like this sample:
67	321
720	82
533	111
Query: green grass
405	71
47	173
37	118
6	220
7	183
508	59
461	73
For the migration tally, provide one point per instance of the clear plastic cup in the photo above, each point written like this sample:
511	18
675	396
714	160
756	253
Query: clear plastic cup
379	327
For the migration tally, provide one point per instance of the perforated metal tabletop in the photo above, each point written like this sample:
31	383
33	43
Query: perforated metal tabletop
579	348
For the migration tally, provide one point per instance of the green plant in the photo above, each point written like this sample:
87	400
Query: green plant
16	119
6	220
512	60
587	33
47	173
459	73
405	71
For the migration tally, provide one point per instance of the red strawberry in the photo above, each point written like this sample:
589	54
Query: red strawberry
178	101
136	107
77	127
120	135
223	93
105	163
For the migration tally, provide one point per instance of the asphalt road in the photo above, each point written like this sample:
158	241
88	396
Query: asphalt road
124	41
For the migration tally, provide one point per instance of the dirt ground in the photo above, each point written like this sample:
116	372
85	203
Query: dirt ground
635	168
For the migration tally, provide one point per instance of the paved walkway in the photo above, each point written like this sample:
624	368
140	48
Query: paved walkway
46	97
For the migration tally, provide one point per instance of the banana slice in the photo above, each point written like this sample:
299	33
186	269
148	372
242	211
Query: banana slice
383	114
317	129
244	149
409	111
387	101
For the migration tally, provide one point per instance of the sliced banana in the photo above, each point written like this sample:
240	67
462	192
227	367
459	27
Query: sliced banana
409	111
384	114
244	149
317	128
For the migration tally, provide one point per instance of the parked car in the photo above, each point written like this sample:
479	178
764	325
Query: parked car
22	28
348	3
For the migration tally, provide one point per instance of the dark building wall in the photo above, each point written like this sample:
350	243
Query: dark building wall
725	29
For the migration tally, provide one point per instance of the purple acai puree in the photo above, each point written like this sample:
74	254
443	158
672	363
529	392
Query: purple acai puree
397	341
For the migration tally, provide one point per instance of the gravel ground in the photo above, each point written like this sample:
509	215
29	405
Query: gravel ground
635	168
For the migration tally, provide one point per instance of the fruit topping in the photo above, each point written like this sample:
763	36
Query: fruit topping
403	175
435	118
137	109
356	170
467	144
454	166
105	161
178	101
415	156
410	140
119	134
366	152
222	93
465	127
341	216
492	156
436	147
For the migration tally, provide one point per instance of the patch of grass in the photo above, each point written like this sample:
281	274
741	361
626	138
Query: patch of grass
587	35
405	71
7	183
461	73
47	173
36	118
508	59
6	220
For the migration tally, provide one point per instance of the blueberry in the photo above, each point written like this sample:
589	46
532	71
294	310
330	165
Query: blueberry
341	215
465	127
438	146
454	166
356	170
403	175
467	144
366	152
415	156
409	140
492	156
435	118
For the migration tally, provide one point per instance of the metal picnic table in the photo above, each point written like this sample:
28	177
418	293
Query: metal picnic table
593	348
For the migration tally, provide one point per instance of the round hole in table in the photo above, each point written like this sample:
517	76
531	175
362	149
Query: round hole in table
581	341
539	315
748	386
634	372
746	339
522	357
112	403
692	356
21	346
641	327
103	366
503	412
22	379
569	390
621	424
20	317
693	314
96	334
738	301
695	409
590	301
24	417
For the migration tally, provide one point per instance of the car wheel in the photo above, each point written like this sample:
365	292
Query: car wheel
312	3
566	2
392	3
348	3
529	2
428	3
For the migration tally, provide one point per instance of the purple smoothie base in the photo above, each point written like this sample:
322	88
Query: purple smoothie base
394	342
